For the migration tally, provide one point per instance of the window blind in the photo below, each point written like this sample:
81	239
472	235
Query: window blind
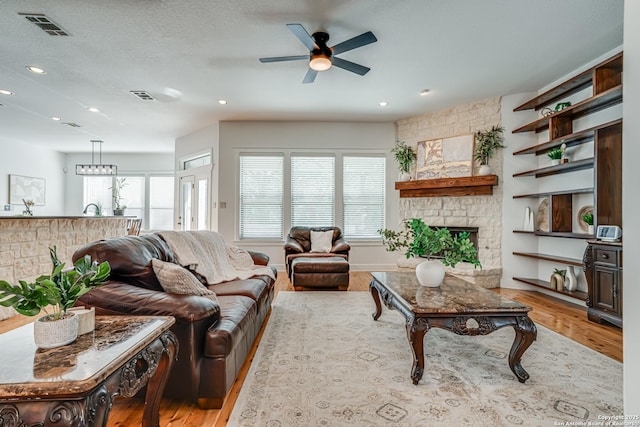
261	188
312	191
363	196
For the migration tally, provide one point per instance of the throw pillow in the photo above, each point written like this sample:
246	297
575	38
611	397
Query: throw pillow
176	279
321	241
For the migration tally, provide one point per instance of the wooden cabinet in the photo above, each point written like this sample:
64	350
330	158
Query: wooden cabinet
606	162
603	270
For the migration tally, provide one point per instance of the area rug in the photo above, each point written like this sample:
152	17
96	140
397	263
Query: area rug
323	361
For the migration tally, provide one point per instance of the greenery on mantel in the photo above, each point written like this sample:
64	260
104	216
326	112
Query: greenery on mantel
404	155
487	142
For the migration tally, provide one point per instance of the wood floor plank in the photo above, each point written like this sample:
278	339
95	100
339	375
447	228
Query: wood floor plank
560	316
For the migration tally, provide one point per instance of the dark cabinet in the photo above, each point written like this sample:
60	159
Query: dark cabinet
603	271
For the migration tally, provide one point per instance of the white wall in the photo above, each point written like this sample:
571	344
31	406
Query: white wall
34	161
317	137
127	164
631	207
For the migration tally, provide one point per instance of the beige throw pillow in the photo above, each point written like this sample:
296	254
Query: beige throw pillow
176	279
321	241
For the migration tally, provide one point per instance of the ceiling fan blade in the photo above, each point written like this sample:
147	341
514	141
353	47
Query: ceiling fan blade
310	76
302	34
350	66
284	58
358	41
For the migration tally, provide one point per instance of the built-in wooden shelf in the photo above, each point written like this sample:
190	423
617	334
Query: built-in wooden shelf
461	186
558	169
554	193
573	85
553	258
572	139
546	285
564	234
590	105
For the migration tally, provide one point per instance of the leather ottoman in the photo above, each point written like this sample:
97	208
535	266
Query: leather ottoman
314	273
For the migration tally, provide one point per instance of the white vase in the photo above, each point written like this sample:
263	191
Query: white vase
55	333
570	280
430	273
405	176
555	162
484	170
590	229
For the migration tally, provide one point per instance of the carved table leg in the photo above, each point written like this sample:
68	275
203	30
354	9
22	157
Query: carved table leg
526	334
416	328
155	386
376	298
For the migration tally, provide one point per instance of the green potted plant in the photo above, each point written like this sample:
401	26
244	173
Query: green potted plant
420	240
58	291
486	144
555	154
116	194
406	157
587	217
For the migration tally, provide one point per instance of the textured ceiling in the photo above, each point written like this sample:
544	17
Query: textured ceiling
189	54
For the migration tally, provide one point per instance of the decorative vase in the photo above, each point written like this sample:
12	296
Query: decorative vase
55	333
557	282
405	176
555	162
484	170
430	273
590	229
570	282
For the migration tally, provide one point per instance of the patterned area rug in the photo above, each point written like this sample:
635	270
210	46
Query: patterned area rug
323	361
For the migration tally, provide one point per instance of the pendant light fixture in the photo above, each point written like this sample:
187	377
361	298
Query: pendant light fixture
99	168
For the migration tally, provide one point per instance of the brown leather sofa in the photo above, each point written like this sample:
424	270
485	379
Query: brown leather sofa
316	270
214	338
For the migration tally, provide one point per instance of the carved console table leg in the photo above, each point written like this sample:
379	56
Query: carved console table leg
416	328
526	334
156	383
376	299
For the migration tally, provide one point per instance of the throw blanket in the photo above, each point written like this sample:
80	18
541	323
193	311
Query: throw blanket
206	253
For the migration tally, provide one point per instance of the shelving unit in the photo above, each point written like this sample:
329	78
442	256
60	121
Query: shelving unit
606	81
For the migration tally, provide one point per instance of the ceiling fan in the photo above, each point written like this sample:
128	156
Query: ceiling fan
321	57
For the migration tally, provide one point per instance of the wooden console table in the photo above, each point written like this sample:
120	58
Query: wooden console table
75	385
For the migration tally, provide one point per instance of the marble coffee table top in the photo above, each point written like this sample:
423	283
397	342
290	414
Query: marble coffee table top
27	371
453	296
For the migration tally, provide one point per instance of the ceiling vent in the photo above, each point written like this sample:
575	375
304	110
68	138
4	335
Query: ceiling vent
46	24
73	125
142	94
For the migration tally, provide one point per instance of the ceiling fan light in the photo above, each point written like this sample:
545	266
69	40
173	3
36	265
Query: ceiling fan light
320	62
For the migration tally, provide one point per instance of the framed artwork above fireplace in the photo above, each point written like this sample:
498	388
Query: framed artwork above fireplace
450	157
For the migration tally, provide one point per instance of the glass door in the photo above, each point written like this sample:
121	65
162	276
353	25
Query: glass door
187	200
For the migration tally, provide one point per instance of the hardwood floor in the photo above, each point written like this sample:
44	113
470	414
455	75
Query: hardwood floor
567	319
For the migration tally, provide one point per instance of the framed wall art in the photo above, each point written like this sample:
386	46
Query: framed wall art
27	188
445	157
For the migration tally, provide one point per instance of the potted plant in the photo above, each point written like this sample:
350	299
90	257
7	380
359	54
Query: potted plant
486	144
587	217
555	154
420	240
406	157
116	194
59	291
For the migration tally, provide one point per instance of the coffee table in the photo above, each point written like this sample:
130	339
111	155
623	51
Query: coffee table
75	385
457	306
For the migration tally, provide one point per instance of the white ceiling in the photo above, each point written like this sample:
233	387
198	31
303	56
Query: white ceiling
189	54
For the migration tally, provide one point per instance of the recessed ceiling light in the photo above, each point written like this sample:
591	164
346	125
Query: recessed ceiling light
57	119
36	70
6	92
383	103
424	92
94	110
222	101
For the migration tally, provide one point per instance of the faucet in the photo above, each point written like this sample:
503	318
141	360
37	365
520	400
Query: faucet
97	210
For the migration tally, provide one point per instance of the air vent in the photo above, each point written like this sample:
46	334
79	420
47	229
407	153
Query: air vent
142	94
46	24
73	125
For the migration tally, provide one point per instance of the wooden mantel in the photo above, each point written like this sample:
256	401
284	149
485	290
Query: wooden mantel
440	187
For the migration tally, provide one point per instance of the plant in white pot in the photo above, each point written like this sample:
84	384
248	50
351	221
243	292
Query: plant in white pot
59	291
116	195
420	240
406	157
487	143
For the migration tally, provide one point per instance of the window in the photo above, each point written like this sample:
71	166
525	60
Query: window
312	191
132	196
261	196
161	202
363	192
97	190
197	162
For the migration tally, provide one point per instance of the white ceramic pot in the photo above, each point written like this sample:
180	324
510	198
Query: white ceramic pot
405	176
484	170
555	162
55	333
430	273
590	229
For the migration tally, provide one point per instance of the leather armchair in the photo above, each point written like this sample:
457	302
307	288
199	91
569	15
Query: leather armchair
298	243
